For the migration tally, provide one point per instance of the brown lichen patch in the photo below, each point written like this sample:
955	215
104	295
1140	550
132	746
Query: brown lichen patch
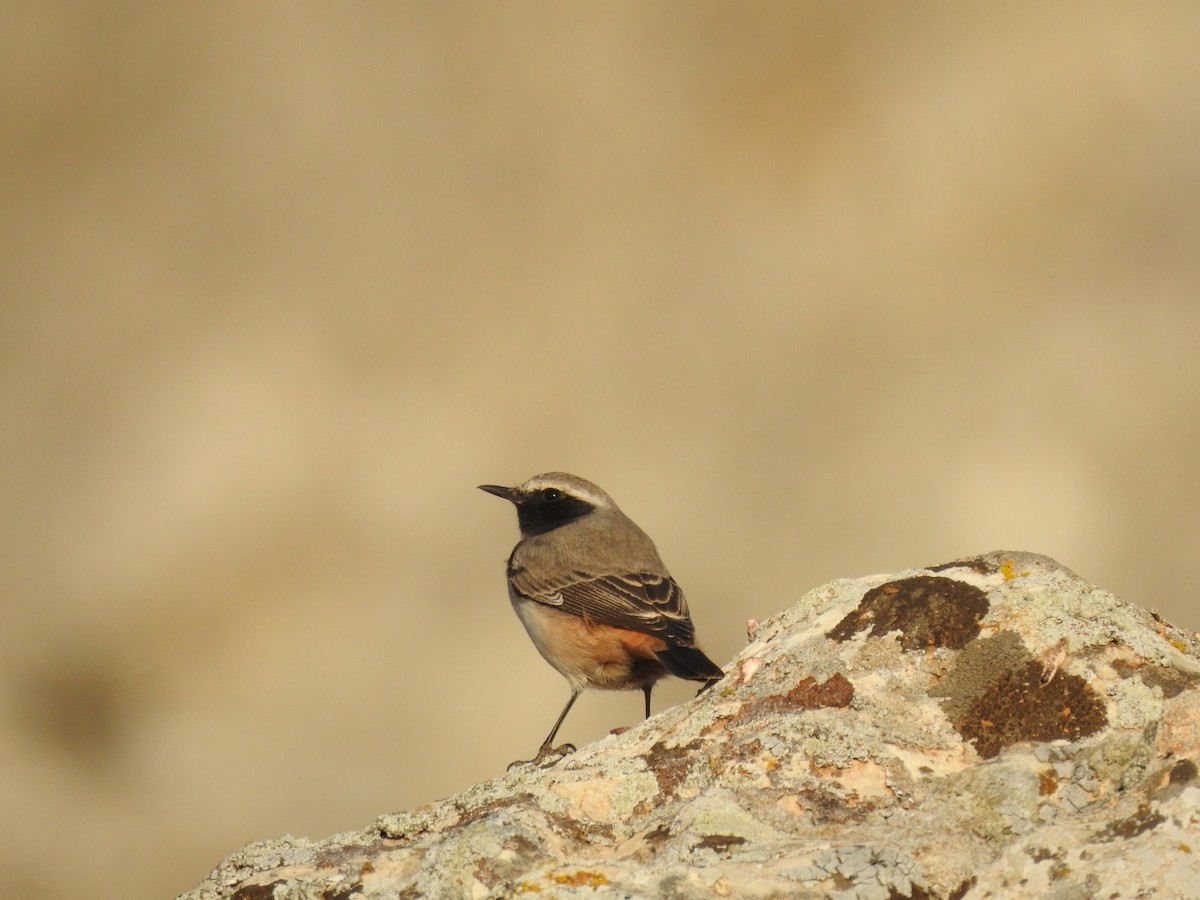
1018	707
593	833
656	837
1174	781
828	806
974	563
1041	854
1171	681
1140	822
1183	772
671	765
720	843
835	691
927	610
256	891
501	870
975	670
340	856
469	814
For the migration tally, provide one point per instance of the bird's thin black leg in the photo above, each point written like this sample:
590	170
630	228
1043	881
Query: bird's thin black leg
646	689
547	749
546	744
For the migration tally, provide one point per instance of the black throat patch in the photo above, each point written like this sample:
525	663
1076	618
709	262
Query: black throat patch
537	515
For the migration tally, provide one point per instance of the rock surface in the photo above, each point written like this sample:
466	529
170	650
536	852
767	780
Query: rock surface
992	727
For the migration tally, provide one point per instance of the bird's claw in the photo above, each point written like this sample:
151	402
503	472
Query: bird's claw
546	757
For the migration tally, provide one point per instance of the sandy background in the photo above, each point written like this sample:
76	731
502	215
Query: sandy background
813	290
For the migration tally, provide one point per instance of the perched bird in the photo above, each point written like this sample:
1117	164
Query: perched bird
596	599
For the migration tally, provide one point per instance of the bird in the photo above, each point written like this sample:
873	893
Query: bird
594	595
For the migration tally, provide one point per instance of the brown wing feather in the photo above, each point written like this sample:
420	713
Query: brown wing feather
643	602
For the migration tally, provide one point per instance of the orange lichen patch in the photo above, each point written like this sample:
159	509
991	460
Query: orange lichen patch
1179	730
592	798
582	878
1047	782
1019	706
790	805
928	611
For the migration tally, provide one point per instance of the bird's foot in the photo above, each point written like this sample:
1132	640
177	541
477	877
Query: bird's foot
546	757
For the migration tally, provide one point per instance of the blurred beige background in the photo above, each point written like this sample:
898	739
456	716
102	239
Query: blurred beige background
814	290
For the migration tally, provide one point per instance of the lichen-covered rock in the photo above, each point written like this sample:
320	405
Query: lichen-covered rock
993	727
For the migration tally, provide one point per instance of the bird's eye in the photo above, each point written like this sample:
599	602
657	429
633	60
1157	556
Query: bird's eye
550	495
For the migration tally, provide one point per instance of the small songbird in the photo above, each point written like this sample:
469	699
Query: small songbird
596	599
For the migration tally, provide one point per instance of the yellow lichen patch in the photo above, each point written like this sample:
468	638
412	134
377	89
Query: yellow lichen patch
1009	571
583	878
528	887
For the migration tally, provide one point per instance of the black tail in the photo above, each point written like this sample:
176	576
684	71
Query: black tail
689	663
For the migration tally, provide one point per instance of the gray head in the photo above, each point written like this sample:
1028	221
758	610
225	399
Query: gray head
550	501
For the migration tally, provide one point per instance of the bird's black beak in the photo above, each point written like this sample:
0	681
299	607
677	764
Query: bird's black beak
509	494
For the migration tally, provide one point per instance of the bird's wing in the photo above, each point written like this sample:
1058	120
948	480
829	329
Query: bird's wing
642	601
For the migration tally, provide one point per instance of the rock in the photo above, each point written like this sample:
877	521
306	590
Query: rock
992	727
